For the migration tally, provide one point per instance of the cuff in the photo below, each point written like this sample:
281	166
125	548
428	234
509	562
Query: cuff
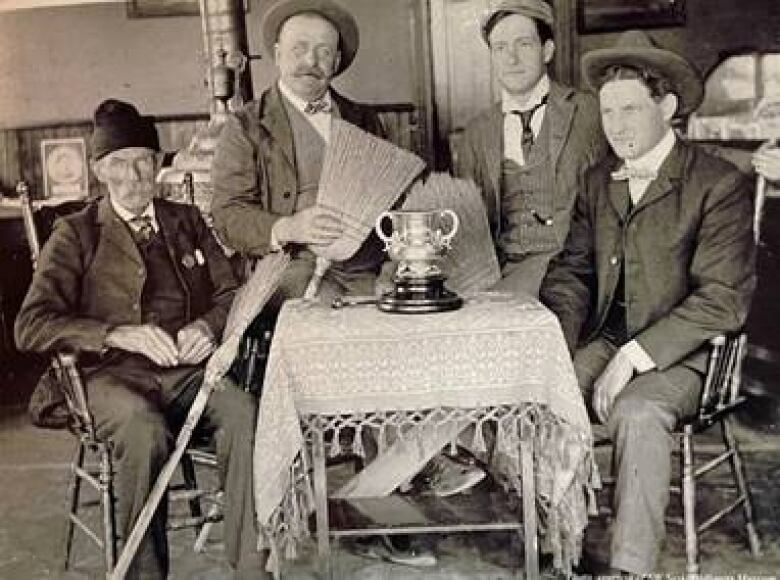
638	356
274	246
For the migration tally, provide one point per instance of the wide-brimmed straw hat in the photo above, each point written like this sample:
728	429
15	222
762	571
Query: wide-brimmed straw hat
279	12
635	48
535	9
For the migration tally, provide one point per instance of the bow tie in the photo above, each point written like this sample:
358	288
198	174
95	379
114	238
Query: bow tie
318	106
626	172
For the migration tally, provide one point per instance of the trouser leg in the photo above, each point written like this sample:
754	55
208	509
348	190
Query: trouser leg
141	443
640	425
231	417
524	276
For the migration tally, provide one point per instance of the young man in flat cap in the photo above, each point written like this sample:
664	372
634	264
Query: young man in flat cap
528	152
269	157
659	259
140	289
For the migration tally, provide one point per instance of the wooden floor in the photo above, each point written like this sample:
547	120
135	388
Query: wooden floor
33	477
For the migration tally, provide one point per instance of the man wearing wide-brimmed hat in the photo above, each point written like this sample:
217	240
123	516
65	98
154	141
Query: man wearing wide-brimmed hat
269	157
660	259
527	152
140	288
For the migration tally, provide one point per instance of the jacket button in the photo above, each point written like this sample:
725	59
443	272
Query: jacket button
613	260
286	195
136	306
140	271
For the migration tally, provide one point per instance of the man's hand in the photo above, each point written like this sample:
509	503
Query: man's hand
195	344
767	162
311	226
146	339
610	383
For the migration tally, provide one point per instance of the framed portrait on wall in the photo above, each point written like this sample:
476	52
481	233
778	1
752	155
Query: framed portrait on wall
609	15
64	168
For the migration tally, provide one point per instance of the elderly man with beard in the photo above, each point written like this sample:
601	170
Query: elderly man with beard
140	288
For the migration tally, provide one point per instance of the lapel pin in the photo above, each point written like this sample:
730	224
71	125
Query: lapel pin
188	261
199	257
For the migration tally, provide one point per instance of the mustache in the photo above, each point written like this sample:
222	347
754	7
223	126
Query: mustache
310	71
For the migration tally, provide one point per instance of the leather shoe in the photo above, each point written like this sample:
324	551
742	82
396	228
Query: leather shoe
450	477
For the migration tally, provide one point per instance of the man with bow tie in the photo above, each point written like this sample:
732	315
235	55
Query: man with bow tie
659	260
528	152
269	157
141	290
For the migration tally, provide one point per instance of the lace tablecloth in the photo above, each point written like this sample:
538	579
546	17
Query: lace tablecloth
498	350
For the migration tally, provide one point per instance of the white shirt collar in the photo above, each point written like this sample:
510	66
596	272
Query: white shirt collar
126	216
298	102
652	160
511	102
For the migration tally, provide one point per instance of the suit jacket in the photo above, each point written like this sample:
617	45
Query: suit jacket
253	172
90	277
576	143
688	252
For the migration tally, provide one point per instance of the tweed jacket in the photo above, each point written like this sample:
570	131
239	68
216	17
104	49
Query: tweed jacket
577	142
687	249
254	173
90	277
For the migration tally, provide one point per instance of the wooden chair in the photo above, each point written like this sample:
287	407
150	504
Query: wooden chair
92	462
720	397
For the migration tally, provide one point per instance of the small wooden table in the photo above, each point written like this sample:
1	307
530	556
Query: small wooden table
500	359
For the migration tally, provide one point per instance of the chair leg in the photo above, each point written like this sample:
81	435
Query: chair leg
74	491
191	483
109	519
689	503
738	469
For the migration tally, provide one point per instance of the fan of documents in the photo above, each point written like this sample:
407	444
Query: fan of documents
471	264
362	176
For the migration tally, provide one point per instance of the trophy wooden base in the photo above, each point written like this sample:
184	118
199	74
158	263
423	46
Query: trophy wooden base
419	296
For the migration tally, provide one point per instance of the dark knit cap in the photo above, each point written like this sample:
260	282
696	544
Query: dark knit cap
118	125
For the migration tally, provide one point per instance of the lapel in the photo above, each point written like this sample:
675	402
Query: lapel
668	179
494	148
618	190
274	119
170	224
346	110
115	232
559	115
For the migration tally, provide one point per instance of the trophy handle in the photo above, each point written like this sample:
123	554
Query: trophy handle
455	225
379	230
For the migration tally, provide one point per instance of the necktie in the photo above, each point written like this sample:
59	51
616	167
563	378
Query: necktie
528	135
141	227
317	106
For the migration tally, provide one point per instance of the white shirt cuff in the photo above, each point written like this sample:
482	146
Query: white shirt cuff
638	356
274	246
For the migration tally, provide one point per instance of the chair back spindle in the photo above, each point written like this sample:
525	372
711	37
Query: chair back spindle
722	383
28	219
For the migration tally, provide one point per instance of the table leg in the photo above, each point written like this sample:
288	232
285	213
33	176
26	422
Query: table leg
321	500
529	503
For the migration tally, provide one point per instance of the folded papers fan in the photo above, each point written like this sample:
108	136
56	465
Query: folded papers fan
470	264
362	176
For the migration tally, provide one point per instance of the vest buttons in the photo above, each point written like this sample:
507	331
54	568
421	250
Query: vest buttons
286	195
136	306
140	272
614	260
